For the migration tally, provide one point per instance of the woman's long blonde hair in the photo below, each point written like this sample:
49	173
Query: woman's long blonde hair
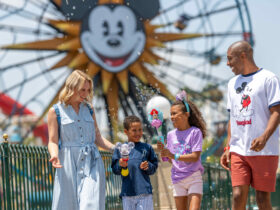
75	82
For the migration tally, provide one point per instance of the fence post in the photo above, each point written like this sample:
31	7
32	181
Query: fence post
229	189
6	170
209	184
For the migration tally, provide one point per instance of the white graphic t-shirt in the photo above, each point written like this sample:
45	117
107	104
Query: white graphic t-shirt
249	99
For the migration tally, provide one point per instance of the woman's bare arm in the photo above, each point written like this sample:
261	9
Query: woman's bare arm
53	138
100	140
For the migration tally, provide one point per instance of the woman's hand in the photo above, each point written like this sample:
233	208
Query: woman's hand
55	162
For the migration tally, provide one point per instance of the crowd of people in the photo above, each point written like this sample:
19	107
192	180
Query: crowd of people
251	151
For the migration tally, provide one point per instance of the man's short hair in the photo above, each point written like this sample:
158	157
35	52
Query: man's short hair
130	119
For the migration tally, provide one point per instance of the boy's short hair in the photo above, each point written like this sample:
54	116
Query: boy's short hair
130	119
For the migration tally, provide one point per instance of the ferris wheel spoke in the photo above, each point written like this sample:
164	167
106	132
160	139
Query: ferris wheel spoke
170	79
10	10
24	30
188	53
187	18
205	20
172	37
39	4
221	41
173	81
126	106
191	71
125	102
35	96
229	33
3	69
174	6
52	102
46	109
213	12
25	81
42	90
21	13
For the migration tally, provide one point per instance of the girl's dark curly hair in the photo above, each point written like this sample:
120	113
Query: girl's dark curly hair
195	118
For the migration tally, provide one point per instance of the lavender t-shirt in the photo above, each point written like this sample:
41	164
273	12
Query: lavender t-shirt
184	142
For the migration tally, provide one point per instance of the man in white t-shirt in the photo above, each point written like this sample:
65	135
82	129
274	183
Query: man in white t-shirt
252	144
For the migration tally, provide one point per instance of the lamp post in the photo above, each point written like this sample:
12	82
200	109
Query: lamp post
162	104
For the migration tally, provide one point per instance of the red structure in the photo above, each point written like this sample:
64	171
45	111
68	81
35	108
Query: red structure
11	107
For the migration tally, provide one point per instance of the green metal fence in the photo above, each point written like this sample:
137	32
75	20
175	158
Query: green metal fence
26	177
26	181
217	190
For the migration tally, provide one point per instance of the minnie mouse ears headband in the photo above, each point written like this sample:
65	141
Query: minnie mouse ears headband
182	96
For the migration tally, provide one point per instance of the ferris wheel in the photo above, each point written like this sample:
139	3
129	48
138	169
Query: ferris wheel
132	49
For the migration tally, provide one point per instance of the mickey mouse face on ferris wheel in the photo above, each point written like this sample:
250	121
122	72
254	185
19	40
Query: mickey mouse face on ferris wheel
112	35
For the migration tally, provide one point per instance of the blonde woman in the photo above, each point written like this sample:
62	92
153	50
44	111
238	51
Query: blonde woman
73	139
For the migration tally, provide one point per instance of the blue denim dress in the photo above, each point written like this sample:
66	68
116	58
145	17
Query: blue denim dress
80	183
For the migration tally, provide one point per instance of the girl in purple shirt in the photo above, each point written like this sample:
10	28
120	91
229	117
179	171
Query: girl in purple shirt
184	145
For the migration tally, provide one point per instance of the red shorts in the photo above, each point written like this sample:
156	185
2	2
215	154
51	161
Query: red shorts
258	171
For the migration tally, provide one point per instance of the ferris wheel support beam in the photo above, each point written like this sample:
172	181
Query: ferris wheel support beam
242	19
125	104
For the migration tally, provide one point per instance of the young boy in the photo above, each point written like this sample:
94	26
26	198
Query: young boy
136	187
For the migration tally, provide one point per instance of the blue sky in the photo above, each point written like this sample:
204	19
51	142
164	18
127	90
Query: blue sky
265	17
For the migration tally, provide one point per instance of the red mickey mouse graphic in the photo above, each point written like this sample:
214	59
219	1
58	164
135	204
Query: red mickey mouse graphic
246	99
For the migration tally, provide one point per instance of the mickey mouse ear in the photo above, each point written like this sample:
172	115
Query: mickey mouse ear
147	9
118	145
75	9
131	145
